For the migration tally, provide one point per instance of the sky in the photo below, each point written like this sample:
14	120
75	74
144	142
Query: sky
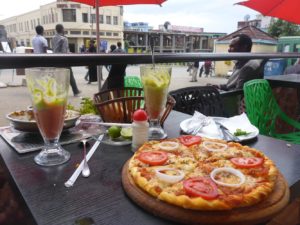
212	15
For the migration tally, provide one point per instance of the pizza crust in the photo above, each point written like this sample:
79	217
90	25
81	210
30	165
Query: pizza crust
196	161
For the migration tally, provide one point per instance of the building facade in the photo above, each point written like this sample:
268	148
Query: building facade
170	39
78	20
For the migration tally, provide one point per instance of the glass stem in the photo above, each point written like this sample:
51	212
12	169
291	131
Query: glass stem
154	123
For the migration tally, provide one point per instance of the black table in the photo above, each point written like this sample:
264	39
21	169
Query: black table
101	196
287	80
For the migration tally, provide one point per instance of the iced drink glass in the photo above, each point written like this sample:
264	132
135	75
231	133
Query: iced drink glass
49	91
156	81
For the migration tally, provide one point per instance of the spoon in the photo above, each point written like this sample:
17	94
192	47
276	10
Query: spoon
85	170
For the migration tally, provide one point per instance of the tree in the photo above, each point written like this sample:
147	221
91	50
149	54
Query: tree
280	28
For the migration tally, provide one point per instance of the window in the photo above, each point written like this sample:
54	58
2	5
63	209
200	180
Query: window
108	19
116	22
101	33
116	34
108	33
69	15
75	32
85	18
93	18
101	19
39	22
85	32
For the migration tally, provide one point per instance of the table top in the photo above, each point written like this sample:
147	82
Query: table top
101	196
287	80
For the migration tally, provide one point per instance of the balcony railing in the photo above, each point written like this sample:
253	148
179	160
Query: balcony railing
10	60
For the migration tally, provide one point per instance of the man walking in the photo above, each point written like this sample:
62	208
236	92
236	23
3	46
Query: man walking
60	44
39	43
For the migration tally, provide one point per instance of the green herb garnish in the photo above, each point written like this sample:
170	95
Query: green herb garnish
87	107
240	132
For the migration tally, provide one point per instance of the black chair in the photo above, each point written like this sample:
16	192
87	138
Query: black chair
204	99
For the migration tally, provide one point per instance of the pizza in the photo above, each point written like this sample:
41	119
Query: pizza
203	174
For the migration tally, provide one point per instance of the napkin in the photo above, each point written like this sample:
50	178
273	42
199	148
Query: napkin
238	122
210	130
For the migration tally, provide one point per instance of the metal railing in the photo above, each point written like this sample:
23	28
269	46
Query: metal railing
10	60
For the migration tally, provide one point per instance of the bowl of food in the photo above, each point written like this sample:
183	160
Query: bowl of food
23	120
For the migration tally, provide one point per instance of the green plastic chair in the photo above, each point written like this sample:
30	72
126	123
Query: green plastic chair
263	111
132	81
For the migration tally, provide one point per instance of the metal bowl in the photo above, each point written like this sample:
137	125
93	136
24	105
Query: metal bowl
23	120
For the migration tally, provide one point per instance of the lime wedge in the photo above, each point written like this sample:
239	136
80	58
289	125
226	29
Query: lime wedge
126	132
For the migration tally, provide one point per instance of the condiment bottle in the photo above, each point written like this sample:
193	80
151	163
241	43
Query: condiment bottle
140	127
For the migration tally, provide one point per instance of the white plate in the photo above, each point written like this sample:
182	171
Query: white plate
120	141
23	120
184	124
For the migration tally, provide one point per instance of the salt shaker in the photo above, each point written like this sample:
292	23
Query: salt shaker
140	127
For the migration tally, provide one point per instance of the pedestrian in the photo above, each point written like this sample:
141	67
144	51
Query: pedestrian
194	71
117	72
39	43
207	68
92	70
82	49
190	67
119	48
60	44
201	65
112	49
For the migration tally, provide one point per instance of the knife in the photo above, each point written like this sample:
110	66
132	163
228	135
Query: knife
227	133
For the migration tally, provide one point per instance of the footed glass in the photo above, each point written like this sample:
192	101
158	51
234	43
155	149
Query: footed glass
49	93
156	81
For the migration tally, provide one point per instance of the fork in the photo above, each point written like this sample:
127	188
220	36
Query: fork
204	123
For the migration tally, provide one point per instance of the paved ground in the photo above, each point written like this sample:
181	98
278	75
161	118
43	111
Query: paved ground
16	97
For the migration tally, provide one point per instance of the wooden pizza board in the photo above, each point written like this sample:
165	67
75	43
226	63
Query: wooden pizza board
255	214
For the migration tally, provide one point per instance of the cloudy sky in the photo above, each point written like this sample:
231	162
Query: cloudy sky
212	15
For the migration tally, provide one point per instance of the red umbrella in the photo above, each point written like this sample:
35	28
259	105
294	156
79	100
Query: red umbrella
98	3
283	9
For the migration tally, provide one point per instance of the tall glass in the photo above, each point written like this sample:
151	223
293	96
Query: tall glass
156	81
49	92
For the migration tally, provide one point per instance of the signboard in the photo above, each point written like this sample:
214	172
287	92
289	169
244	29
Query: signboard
183	28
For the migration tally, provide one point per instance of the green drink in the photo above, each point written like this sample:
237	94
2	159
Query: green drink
49	90
156	82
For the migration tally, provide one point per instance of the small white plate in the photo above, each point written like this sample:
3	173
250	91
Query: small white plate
184	124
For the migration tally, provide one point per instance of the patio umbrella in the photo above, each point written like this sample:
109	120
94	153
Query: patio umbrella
283	9
98	3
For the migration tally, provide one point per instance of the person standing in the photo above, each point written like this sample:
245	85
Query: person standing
194	71
92	70
39	43
60	44
201	65
207	68
119	48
